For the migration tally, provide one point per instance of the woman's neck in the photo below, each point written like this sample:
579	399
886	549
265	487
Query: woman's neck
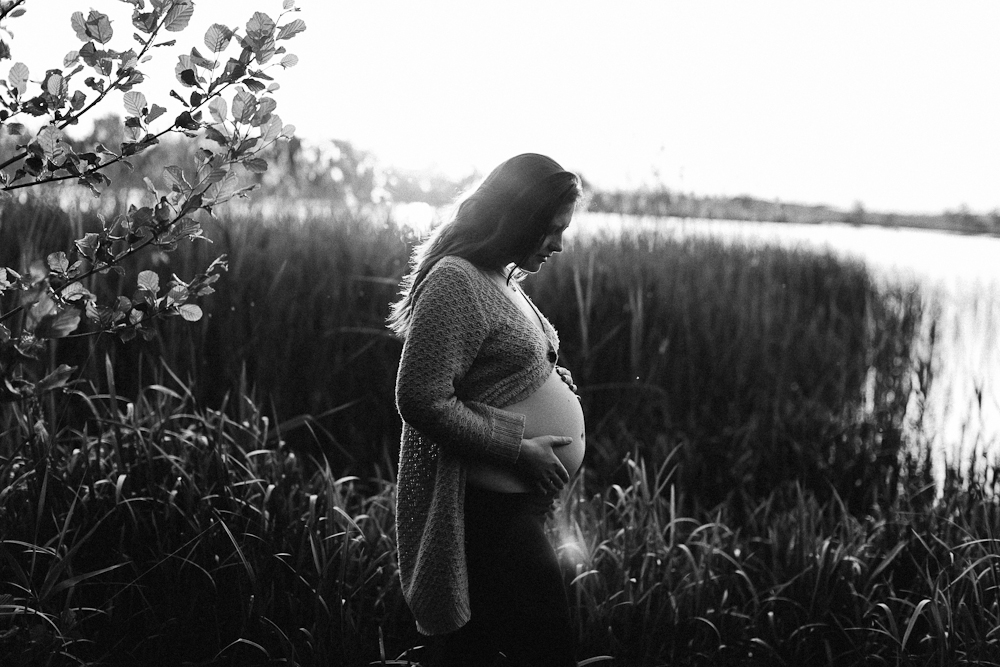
502	277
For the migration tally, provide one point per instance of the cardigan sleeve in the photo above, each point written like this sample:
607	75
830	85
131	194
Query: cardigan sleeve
448	326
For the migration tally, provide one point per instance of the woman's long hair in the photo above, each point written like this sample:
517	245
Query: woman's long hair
500	222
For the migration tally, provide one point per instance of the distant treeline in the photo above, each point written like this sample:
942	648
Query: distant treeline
663	202
346	178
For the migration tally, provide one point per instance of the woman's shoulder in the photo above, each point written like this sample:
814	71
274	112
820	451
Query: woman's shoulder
455	262
453	267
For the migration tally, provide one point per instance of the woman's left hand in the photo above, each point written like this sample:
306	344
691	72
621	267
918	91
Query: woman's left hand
567	377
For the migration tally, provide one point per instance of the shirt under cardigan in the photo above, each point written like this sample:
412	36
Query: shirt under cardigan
468	353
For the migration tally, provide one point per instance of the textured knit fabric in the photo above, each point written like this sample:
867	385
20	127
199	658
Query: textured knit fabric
469	352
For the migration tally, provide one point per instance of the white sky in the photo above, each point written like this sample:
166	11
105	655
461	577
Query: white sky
894	104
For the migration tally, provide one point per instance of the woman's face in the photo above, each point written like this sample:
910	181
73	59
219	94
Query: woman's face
551	244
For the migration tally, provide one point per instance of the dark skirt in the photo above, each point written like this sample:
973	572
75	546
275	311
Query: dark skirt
516	589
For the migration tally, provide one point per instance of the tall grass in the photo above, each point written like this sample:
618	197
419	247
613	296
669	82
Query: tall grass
168	533
223	493
161	533
763	366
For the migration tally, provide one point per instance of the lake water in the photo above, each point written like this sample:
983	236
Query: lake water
959	274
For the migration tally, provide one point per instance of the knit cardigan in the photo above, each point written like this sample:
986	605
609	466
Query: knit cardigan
469	352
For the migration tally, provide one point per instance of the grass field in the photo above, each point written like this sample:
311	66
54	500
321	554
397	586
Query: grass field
757	488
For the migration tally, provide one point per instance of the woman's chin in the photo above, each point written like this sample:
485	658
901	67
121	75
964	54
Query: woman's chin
533	265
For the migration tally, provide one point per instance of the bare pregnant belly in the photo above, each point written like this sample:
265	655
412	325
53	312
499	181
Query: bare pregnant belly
553	409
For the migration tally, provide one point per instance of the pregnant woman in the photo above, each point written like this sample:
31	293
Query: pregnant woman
492	428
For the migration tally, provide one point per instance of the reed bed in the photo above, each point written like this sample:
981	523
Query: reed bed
757	489
762	366
167	533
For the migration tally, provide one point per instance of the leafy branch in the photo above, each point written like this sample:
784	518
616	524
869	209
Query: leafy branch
53	301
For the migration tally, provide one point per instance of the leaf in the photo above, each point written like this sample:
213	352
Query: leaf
77	292
246	145
49	140
58	262
194	202
270	130
234	71
289	30
129	59
256	165
79	26
150	281
98	27
155	112
185	121
288	4
146	22
217	37
59	325
189	78
291	60
265	50
53	82
213	134
71	58
219	109
135	103
78	100
227	187
200	60
214	176
18	77
177	293
57	378
260	25
175	176
179	16
254	85
263	114
190	312
244	105
88	244
185	64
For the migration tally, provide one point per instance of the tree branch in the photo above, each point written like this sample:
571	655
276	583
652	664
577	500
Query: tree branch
74	116
158	231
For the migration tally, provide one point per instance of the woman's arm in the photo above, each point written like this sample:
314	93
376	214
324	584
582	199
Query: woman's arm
447	328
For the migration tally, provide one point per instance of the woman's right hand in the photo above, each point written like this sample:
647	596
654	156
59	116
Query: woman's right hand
540	465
